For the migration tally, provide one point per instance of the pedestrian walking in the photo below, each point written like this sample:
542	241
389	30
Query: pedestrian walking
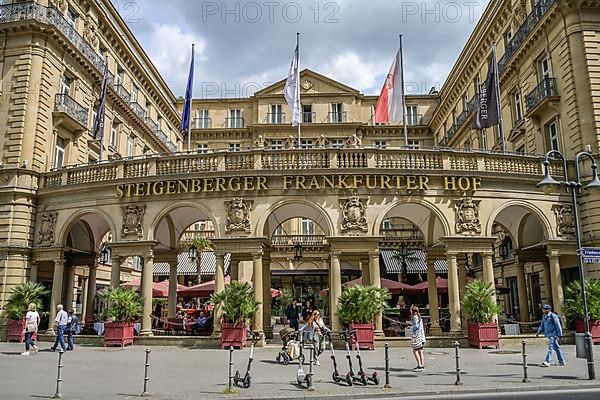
32	321
72	323
418	338
316	330
291	313
551	327
60	323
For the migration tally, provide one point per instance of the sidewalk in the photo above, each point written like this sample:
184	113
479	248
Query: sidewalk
183	373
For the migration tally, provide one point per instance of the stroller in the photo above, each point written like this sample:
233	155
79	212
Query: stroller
291	348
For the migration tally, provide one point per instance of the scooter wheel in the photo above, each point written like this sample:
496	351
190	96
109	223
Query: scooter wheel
349	379
247	382
375	378
286	360
278	358
336	377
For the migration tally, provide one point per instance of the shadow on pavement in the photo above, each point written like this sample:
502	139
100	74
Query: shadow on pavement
563	377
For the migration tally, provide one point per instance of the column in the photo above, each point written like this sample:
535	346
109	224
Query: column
84	290
375	280
432	293
57	286
234	267
147	293
488	276
462	282
33	271
453	294
522	288
335	291
115	272
267	299
547	282
91	293
172	302
69	288
219	286
556	282
257	280
365	271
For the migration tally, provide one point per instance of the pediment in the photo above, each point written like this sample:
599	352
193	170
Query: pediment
311	83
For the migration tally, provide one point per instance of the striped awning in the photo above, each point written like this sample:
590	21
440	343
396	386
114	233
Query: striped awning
185	266
415	264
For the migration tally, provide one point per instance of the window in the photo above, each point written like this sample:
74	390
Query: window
235	119
65	85
520	149
476	84
59	156
544	67
276	144
234	147
518	108
202	148
454	116
336	143
306	144
134	93
102	52
386	225
337	113
465	101
307	114
507	38
552	134
202	119
412	118
279	231
307	227
275	116
380	144
130	145
113	135
120	76
414	144
71	17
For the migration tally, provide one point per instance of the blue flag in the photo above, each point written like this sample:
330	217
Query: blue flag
98	129
187	106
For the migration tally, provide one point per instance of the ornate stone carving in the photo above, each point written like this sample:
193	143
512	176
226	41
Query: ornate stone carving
260	142
467	216
354	141
89	32
47	227
321	141
290	142
306	84
353	213
133	220
565	224
238	215
59	4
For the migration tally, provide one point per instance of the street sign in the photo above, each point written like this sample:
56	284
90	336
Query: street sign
590	252
591	260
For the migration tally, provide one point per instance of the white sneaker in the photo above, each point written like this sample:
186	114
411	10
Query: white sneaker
545	364
25	353
34	347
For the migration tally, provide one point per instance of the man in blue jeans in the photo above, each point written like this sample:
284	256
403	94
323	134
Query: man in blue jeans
62	318
551	326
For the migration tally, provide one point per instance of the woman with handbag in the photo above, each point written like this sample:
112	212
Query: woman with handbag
32	321
418	338
316	329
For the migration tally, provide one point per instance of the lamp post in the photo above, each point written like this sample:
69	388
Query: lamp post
401	254
298	251
550	185
193	254
104	254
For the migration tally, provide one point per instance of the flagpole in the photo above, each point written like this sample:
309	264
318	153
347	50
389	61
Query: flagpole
403	97
498	105
298	87
189	136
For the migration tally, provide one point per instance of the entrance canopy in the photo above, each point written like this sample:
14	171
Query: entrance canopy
440	283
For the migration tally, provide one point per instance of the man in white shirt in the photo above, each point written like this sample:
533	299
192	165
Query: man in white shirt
62	318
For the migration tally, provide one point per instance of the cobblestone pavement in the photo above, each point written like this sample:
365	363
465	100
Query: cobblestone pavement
186	373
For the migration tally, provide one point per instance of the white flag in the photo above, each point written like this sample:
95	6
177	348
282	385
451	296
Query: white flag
390	105
292	89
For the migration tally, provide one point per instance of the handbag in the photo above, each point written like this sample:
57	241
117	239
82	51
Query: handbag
417	341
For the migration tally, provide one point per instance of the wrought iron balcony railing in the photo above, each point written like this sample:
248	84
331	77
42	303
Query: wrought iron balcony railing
539	10
414	119
162	136
337	117
291	240
234	122
275	118
123	93
203	123
309	117
152	124
138	110
403	234
192	234
66	104
546	88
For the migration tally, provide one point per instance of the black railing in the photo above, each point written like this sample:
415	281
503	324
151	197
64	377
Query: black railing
138	109
275	118
546	88
408	234
336	117
66	104
162	136
203	123
152	124
539	10
414	119
234	122
123	93
309	117
304	240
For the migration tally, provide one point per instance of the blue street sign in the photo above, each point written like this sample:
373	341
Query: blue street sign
590	252
591	260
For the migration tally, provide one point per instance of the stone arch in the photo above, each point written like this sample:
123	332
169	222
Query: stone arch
523	212
293	208
96	223
424	222
172	223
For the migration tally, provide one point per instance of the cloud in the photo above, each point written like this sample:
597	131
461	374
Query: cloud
351	70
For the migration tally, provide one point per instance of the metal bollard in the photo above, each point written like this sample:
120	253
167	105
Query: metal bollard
59	380
456	346
525	377
309	377
230	366
387	367
146	378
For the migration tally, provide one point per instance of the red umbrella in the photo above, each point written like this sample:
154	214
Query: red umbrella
440	283
393	286
159	289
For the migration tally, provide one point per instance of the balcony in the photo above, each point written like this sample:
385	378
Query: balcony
73	116
336	117
151	124
414	119
162	136
122	92
545	94
394	237
462	118
275	118
138	110
234	122
540	9
203	123
309	117
192	234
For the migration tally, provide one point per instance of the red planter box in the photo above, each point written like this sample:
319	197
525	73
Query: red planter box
481	335
233	335
16	331
118	333
594	329
365	335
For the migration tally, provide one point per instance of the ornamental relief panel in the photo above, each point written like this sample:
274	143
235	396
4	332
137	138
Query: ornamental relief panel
467	216
47	228
238	215
133	221
353	215
565	225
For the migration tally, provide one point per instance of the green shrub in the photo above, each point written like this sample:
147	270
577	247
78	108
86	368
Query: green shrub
124	305
573	308
20	297
478	302
361	304
236	302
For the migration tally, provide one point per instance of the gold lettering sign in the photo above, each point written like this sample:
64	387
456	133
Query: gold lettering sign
297	182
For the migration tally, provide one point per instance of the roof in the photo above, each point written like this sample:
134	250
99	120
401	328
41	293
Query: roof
414	265
185	266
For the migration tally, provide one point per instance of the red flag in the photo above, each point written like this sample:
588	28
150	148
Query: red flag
390	105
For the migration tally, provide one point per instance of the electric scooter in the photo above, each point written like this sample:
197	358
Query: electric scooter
337	378
346	335
301	376
246	380
364	378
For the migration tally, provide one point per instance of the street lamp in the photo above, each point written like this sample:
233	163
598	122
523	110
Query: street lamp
550	185
104	253
402	253
298	252
193	253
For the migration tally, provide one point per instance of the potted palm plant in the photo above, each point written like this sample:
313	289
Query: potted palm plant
236	304
358	307
481	308
573	308
16	307
124	306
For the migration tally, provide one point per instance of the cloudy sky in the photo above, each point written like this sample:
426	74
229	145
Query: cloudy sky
245	45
